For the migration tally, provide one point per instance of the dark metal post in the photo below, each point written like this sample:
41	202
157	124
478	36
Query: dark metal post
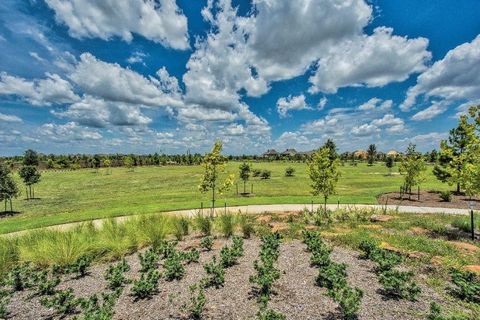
201	207
312	206
473	227
418	193
251	189
237	188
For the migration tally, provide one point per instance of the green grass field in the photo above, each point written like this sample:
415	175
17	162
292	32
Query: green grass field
72	196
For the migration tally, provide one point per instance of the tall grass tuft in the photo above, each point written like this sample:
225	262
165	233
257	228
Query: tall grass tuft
56	247
113	240
203	223
181	226
9	254
226	222
152	229
246	223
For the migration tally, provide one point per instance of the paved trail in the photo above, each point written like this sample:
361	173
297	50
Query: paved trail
256	209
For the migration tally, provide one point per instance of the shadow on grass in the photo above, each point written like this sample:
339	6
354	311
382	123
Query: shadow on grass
5	214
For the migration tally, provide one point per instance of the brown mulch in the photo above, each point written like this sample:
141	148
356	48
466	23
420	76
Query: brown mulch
428	199
295	293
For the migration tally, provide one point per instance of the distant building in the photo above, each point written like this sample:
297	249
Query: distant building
270	153
360	154
289	152
307	153
393	154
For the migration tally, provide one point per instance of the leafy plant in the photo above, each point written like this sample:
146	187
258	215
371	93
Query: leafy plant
115	275
332	275
256	172
270	314
147	285
95	309
197	301
46	285
174	269
4	301
266	275
289	172
207	243
266	174
237	246
21	277
368	249
436	314
399	284
228	257
348	299
215	273
148	260
63	302
385	260
190	256
80	266
167	248
467	285
446	196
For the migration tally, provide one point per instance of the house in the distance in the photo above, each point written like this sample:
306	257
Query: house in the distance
289	153
360	154
393	153
271	153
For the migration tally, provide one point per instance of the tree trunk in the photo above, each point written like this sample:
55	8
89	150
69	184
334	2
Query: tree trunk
11	207
458	188
244	187
325	204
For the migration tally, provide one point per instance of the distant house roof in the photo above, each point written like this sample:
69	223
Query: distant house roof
289	152
270	152
361	154
307	153
392	153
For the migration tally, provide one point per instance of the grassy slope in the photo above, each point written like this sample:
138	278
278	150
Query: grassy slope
83	195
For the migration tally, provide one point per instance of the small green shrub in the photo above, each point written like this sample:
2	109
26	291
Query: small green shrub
197	301
436	314
147	285
207	243
270	314
99	309
368	249
467	285
266	174
237	246
115	275
190	256
173	267
228	257
46	285
446	196
332	275
80	266
289	172
386	260
148	260
215	273
4	301
256	173
22	276
167	248
399	284
348	299
63	302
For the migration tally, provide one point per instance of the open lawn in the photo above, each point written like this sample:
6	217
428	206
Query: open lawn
70	196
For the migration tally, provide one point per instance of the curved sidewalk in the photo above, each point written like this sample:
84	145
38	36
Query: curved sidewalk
257	209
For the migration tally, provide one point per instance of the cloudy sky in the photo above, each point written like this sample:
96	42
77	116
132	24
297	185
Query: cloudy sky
174	75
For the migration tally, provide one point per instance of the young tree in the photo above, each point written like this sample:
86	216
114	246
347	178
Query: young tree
412	168
451	159
107	163
128	162
389	163
8	187
29	172
245	175
214	164
323	171
289	172
332	149
372	153
30	176
30	158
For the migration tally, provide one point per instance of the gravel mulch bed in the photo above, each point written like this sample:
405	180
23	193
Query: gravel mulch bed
296	294
428	199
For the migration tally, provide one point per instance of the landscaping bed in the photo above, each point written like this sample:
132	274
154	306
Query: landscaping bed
428	199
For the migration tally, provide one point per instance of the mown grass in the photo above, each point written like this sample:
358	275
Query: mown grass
82	195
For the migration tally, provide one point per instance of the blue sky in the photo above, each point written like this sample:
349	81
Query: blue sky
150	76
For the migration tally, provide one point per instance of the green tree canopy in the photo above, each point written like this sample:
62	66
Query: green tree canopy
412	168
245	171
30	158
323	172
8	186
213	164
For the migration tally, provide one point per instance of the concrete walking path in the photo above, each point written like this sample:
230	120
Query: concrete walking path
261	208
